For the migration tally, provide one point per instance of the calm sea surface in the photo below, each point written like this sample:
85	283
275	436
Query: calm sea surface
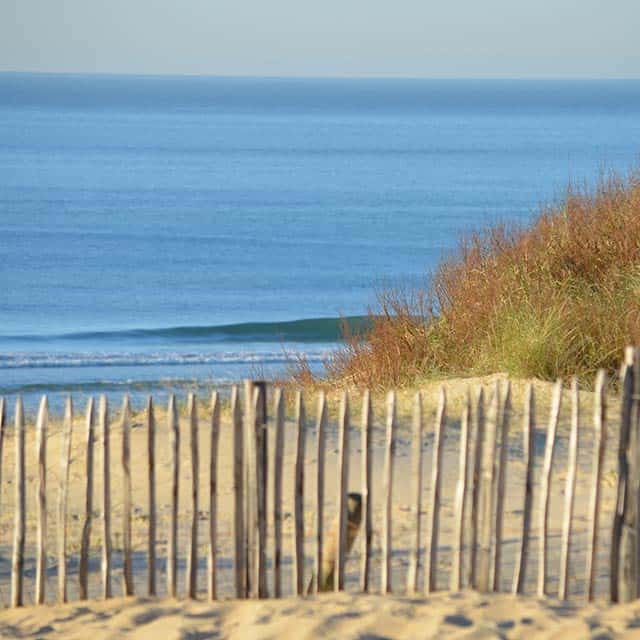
155	233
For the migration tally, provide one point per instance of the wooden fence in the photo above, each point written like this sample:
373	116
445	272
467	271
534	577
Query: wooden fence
478	472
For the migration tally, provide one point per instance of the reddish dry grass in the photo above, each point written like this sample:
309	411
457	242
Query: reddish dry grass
557	298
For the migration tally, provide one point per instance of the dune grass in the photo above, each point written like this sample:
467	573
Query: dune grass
556	298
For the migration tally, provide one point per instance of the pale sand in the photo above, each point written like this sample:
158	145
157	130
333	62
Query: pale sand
345	615
372	617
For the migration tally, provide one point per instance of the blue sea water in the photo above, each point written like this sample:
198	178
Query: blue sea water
156	232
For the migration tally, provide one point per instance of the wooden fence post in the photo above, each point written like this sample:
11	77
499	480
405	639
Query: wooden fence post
127	569
528	422
251	488
192	559
172	547
62	500
213	496
600	433
41	454
502	461
416	492
461	492
343	479
367	493
387	494
478	437
316	583
486	492
545	488
278	403
623	560
83	569
238	489
431	562
106	498
151	469
17	562
262	470
569	492
299	492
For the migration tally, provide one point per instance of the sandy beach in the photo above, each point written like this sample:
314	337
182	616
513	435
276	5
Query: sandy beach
373	617
342	615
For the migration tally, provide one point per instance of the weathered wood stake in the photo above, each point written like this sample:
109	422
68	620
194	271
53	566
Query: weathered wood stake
173	427
127	569
569	492
83	569
151	470
416	492
501	482
238	491
41	492
17	561
278	402
343	479
299	492
461	492
545	488
476	461
387	494
106	498
433	509
63	488
320	453
367	492
212	582
192	559
599	444
528	422
486	492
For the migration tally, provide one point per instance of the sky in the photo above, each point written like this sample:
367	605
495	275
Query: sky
332	38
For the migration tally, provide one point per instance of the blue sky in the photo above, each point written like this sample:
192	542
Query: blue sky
396	38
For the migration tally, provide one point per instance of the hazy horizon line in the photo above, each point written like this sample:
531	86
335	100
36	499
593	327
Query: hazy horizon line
373	76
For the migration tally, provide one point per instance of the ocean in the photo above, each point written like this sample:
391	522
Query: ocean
161	234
